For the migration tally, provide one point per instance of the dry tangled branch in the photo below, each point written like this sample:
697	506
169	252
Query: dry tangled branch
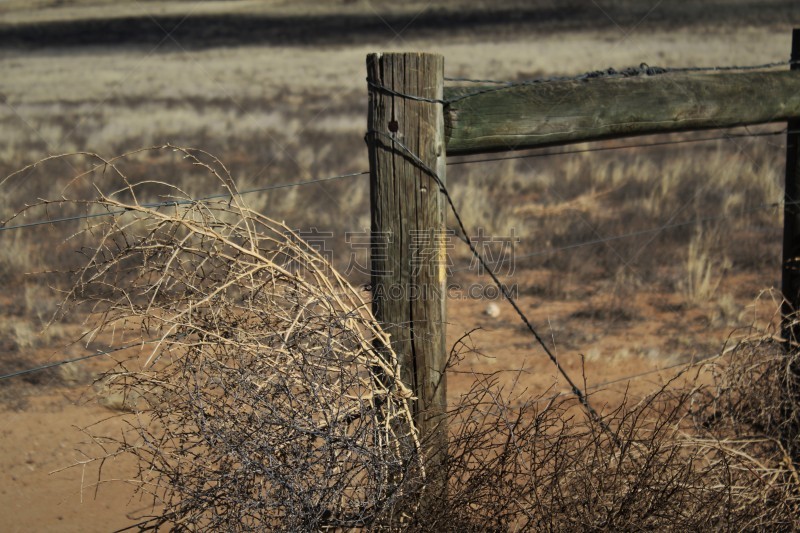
267	400
697	454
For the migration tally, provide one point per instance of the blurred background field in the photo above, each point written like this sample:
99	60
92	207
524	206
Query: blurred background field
628	260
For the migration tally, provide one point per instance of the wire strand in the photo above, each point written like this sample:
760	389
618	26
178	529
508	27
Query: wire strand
596	387
632	377
463	269
171	203
594	242
74	360
582	398
642	69
623	147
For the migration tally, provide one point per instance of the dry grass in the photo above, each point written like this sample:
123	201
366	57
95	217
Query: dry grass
280	114
705	268
283	114
264	398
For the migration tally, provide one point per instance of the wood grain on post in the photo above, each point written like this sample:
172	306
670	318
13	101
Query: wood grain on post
563	112
408	227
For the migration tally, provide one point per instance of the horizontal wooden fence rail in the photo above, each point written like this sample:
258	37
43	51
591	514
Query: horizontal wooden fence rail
414	123
562	112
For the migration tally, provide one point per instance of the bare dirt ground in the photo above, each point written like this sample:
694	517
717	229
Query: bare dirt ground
606	328
42	422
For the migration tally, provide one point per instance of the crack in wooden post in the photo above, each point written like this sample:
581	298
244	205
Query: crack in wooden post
408	234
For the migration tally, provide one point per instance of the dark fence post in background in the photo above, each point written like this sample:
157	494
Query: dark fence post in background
790	284
406	144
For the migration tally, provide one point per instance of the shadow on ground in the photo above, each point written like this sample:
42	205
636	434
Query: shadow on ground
204	31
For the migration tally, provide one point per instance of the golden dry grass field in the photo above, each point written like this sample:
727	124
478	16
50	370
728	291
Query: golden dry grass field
628	260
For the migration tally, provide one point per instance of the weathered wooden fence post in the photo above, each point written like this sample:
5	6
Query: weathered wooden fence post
790	284
406	142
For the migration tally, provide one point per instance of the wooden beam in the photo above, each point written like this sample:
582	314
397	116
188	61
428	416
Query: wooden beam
405	138
558	113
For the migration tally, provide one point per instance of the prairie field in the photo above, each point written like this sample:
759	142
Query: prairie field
631	257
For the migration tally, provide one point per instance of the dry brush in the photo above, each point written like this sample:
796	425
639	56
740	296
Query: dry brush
263	396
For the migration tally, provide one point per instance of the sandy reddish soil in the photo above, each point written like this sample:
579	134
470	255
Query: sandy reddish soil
41	436
39	441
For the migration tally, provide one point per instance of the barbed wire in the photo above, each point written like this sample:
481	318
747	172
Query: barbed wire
92	355
467	268
592	242
576	390
639	233
537	154
579	394
630	72
172	203
596	386
642	70
633	377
